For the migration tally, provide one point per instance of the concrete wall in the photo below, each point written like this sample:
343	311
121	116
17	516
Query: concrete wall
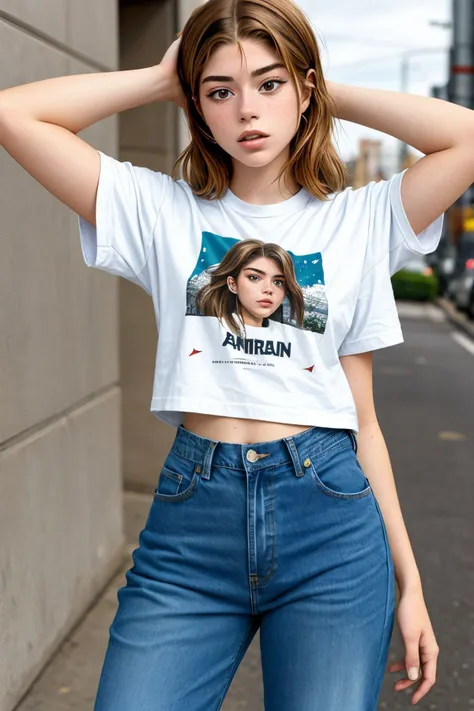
185	8
60	449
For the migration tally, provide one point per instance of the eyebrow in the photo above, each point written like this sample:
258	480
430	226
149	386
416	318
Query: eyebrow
262	272
256	73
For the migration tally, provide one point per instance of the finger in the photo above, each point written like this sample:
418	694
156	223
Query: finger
403	684
412	658
397	666
429	678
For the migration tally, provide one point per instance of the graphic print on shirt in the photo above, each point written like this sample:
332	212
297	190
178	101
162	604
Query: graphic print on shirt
300	303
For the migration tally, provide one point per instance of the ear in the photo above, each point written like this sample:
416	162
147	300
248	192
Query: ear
198	106
308	90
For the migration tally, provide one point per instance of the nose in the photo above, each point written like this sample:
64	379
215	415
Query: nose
247	110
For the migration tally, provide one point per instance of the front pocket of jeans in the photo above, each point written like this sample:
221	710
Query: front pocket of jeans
178	479
169	482
341	476
175	487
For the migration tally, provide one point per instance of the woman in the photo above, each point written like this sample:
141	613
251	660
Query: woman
263	517
235	285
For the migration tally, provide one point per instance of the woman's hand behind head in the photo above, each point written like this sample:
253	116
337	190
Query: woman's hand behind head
169	65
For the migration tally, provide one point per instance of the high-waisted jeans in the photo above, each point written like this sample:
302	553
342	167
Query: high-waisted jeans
285	537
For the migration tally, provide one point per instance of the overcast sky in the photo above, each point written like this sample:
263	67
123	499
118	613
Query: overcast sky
361	42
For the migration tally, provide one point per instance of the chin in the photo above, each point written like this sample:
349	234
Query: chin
259	159
262	159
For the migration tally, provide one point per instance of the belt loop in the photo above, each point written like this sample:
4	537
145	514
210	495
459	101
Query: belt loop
353	440
294	455
206	467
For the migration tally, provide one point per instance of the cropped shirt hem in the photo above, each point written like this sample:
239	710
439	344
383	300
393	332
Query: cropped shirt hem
171	410
372	343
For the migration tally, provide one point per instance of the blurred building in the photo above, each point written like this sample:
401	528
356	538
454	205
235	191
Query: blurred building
77	345
367	164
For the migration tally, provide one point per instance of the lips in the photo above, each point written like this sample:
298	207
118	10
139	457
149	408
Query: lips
248	134
265	302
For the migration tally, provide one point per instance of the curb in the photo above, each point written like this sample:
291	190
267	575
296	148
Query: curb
454	316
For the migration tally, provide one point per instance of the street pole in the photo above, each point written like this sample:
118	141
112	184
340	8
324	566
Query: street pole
462	70
461	79
404	83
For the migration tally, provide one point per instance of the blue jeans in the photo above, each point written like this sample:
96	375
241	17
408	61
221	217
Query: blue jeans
285	537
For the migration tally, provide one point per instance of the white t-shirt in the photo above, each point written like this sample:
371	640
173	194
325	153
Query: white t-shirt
155	232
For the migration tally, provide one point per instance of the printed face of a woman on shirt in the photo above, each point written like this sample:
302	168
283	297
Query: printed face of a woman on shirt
260	289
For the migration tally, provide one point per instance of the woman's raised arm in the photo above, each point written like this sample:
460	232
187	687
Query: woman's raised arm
440	129
39	123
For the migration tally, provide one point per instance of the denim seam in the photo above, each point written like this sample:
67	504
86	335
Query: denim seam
295	455
194	461
207	461
171	474
353	440
341	446
339	494
333	449
387	553
267	577
171	498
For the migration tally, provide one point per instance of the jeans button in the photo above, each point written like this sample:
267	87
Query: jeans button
252	455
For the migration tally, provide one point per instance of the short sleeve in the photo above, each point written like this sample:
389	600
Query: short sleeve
375	323
129	199
390	230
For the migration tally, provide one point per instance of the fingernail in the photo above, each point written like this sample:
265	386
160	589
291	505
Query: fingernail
413	673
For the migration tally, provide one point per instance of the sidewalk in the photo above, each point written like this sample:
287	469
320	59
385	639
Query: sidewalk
69	681
456	317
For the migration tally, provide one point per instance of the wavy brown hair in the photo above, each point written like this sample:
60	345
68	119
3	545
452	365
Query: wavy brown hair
216	299
284	27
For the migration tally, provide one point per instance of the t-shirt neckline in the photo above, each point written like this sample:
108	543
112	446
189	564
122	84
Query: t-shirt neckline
295	202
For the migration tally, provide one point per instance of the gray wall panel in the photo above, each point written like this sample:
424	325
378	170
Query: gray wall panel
49	17
93	29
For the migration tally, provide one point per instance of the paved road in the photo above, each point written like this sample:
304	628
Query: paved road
425	401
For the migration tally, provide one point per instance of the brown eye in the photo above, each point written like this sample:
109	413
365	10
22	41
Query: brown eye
272	82
217	94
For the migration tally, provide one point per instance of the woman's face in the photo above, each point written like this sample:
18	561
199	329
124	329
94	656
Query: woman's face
253	92
260	289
